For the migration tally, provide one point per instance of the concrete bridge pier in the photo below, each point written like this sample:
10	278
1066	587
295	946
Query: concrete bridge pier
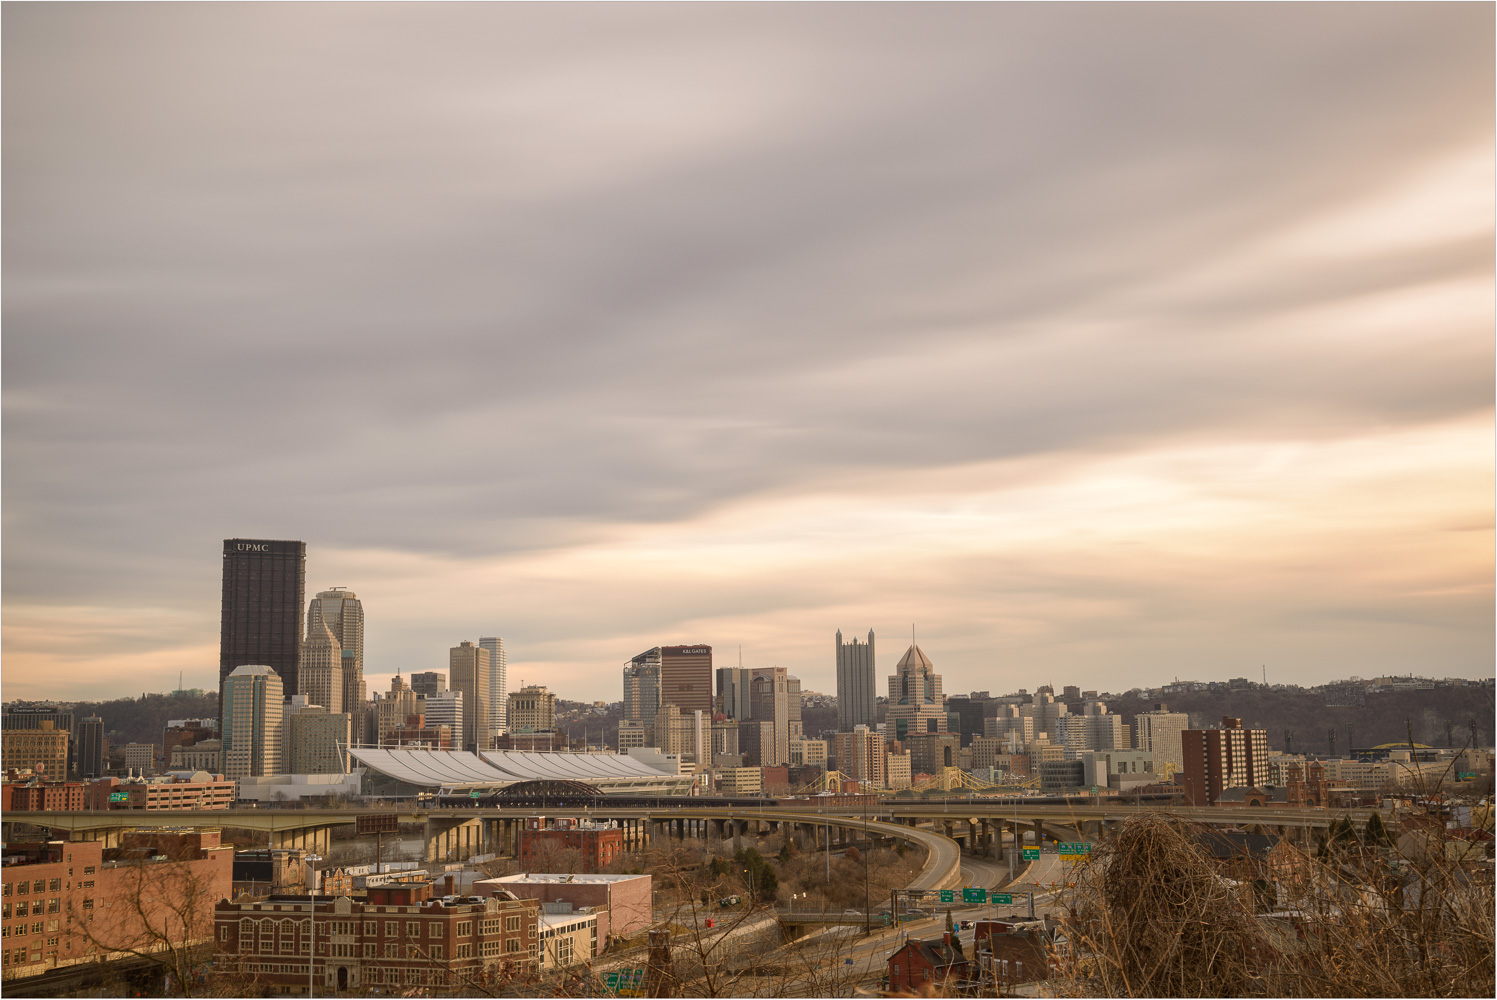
453	840
1039	832
317	840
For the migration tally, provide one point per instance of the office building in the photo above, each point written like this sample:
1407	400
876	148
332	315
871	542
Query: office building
185	733
468	666
1216	759
916	704
498	683
264	589
252	727
428	683
1094	729
861	755
32	716
315	741
532	709
642	687
204	755
445	708
756	697
1044	712
43	750
396	709
966	717
931	753
91	758
140	758
342	612
1009	725
1159	732
856	684
686	678
322	666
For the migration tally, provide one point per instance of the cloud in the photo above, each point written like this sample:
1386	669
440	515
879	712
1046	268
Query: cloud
468	291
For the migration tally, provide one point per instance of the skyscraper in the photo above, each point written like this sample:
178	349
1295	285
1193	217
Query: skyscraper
1158	732
264	586
642	687
498	683
91	747
429	683
686	678
766	702
468	666
343	613
322	667
916	704
856	693
252	721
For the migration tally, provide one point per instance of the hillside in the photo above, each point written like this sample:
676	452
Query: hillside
1383	719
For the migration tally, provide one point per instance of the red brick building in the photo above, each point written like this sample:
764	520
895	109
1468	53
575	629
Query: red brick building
624	902
67	903
568	845
1229	757
38	795
1011	953
920	967
396	939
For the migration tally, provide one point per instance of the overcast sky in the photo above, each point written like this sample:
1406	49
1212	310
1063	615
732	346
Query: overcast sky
1103	344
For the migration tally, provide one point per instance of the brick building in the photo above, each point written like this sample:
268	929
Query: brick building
66	903
624	902
921	967
39	795
548	847
1229	757
399	937
43	750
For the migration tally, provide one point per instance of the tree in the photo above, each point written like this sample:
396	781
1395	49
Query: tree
161	911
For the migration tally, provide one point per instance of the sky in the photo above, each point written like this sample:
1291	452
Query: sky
1095	345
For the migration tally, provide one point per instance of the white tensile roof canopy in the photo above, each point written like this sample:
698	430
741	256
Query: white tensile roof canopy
495	769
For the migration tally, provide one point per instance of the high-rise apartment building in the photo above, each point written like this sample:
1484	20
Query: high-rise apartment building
642	687
498	683
322	666
468	666
429	683
856	687
860	755
91	760
253	702
1229	757
532	709
343	613
1159	732
264	588
916	704
686	678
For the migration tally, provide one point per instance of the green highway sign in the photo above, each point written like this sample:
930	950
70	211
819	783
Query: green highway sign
1466	775
119	796
974	895
1031	854
1073	848
1003	899
473	794
948	895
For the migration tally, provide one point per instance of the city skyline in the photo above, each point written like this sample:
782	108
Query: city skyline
1066	333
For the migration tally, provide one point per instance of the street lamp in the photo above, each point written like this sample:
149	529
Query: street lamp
867	846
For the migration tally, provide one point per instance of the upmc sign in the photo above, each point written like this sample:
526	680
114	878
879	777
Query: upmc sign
260	546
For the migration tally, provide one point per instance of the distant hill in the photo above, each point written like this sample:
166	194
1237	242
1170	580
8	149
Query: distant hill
141	720
1384	718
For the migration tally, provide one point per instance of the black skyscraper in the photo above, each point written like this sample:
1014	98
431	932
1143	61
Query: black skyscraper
264	597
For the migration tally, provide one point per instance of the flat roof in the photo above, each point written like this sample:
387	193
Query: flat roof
560	878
